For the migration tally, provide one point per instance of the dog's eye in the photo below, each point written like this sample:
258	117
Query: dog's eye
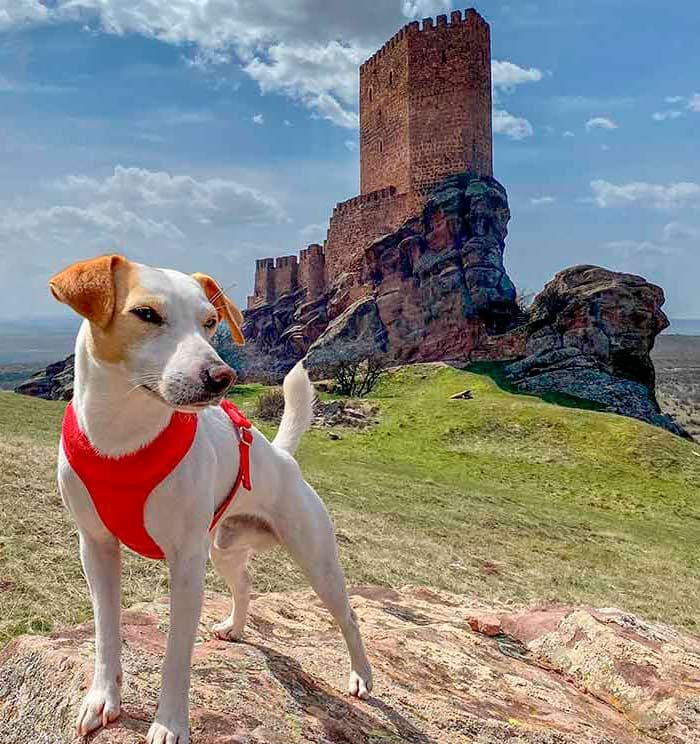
211	323
148	315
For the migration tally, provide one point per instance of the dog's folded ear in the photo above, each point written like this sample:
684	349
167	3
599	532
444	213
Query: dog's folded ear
224	307
89	288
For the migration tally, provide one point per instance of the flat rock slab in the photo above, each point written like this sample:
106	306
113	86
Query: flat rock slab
447	670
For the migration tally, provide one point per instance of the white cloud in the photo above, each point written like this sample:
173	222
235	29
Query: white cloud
639	193
689	103
315	233
664	115
679	231
204	201
511	126
568	133
351	145
644	248
19	12
600	122
419	8
541	200
322	77
507	75
259	119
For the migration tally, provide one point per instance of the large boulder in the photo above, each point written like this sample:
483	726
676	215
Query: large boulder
55	382
610	316
448	670
589	334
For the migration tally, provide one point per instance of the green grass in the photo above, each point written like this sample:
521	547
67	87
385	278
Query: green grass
508	497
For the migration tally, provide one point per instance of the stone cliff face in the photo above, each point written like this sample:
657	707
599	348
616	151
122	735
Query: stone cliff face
448	670
438	284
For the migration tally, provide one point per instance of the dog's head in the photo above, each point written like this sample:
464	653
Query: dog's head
154	324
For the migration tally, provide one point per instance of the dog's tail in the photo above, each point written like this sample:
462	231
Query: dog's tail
299	398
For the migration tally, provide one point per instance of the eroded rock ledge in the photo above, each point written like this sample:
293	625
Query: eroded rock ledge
448	670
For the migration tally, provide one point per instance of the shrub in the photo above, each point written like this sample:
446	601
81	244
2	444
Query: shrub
270	405
358	377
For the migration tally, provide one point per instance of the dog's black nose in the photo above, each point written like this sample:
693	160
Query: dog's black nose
218	379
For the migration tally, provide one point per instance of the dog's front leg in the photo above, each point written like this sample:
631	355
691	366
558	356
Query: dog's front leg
102	567
171	725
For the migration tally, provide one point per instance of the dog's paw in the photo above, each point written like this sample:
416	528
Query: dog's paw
100	707
168	732
227	630
360	684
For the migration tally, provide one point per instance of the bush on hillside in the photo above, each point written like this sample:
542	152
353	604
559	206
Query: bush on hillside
270	405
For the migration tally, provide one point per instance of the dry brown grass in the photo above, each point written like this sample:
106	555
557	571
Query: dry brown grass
677	362
505	497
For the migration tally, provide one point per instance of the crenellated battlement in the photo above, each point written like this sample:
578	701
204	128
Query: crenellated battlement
275	277
282	262
370	198
456	18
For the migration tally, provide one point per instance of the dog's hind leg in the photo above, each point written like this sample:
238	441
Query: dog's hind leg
310	539
235	540
233	568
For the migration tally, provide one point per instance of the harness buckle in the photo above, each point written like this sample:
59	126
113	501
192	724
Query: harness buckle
246	436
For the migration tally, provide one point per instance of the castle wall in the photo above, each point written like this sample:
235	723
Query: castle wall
449	99
357	222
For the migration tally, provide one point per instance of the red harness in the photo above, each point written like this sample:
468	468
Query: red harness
119	487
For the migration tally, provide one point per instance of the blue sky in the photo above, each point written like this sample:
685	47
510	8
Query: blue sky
202	134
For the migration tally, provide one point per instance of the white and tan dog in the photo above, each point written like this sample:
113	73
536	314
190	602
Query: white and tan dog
143	352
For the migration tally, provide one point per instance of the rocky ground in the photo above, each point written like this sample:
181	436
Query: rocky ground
448	670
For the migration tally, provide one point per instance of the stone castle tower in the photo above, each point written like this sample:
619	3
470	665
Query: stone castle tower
425	113
425	105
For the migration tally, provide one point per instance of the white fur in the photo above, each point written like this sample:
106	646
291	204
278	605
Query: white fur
120	417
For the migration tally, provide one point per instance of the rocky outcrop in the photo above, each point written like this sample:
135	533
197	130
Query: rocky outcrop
53	383
589	334
611	317
433	289
448	670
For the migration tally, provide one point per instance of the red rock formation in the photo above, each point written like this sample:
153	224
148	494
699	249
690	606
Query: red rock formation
563	674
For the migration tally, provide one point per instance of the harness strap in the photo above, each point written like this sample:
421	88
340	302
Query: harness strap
245	439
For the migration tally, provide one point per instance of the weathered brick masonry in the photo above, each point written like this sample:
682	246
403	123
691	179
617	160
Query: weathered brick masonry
425	113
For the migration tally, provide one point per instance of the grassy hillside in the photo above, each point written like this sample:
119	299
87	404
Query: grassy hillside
508	497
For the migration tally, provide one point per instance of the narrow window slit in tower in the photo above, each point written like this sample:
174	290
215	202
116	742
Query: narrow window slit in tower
444	56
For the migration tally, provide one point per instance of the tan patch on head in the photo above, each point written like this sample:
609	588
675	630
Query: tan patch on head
126	331
224	307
